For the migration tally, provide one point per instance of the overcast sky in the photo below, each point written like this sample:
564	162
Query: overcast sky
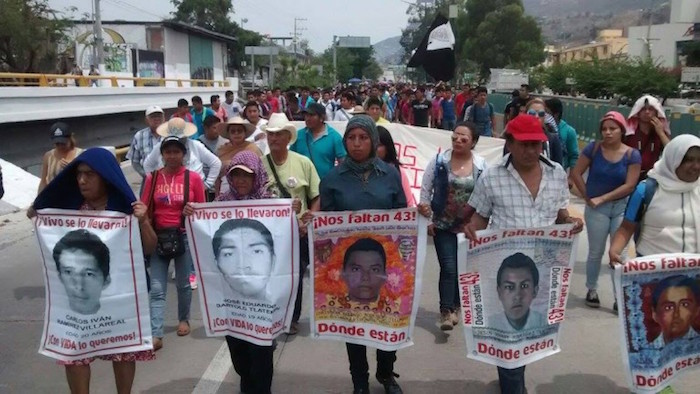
378	19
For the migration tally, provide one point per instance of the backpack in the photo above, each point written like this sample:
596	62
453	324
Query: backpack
441	185
472	112
650	186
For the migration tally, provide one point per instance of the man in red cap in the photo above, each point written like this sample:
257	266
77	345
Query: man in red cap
525	190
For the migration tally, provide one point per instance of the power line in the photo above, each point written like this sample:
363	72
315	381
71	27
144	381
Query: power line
130	7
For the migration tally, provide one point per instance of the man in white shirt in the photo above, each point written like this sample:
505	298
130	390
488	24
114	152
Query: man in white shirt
524	190
144	140
230	105
252	115
347	103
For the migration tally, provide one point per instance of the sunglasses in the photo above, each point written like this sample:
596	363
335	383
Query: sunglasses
532	112
460	139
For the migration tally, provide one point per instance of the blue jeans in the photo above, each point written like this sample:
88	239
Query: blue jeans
446	249
601	223
448	124
159	287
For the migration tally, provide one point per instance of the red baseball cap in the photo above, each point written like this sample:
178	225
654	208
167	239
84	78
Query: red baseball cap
526	127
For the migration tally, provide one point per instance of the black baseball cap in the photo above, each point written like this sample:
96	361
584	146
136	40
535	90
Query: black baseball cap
60	132
315	109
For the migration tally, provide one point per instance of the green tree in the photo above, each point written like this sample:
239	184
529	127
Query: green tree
352	63
505	37
30	36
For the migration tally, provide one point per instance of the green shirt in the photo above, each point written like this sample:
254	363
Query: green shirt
297	175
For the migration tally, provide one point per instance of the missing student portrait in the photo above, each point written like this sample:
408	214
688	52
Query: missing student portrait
517	284
82	261
365	272
245	255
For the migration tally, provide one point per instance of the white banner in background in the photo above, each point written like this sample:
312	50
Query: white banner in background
246	257
659	313
416	146
96	293
513	287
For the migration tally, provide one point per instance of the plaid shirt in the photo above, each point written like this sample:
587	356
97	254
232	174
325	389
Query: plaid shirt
501	194
141	145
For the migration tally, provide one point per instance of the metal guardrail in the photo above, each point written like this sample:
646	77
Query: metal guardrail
121	153
64	80
584	115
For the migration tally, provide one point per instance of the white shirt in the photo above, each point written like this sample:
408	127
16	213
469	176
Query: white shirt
261	143
342	115
501	194
233	109
196	159
500	322
667	223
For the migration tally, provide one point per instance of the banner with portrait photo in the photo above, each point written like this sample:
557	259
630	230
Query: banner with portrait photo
513	287
95	279
366	269
659	312
246	257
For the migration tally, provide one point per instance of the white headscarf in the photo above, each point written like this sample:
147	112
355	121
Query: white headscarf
664	170
633	118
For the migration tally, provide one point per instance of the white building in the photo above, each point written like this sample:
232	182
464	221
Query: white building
154	49
666	40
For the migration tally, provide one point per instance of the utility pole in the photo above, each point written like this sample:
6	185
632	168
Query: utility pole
297	33
271	75
99	42
335	60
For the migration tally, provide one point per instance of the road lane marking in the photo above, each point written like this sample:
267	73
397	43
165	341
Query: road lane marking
215	373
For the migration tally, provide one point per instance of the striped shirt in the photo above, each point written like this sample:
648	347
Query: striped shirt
501	194
141	145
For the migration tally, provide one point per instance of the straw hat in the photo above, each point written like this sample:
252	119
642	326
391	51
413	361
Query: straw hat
278	122
176	127
236	120
357	110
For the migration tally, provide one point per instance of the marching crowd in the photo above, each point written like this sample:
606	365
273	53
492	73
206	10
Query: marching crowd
229	151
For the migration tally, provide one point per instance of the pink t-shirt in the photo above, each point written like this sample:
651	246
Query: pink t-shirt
168	196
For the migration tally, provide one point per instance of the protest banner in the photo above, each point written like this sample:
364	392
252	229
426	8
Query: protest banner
95	279
367	276
246	257
659	312
416	146
513	287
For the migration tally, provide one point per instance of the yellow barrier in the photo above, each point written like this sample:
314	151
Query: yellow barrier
62	80
121	153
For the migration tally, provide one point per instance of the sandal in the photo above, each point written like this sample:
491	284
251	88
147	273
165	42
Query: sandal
183	329
157	344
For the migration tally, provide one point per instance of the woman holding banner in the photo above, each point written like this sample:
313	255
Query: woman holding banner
166	192
247	178
363	181
613	171
665	226
448	182
94	182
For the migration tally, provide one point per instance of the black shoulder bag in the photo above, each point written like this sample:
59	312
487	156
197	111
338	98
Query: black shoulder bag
171	241
283	190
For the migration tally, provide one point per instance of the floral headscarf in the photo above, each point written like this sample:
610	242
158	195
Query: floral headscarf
253	162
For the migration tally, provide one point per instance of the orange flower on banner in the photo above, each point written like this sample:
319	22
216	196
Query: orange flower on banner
400	266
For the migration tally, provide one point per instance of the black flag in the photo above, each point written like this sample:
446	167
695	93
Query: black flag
436	51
